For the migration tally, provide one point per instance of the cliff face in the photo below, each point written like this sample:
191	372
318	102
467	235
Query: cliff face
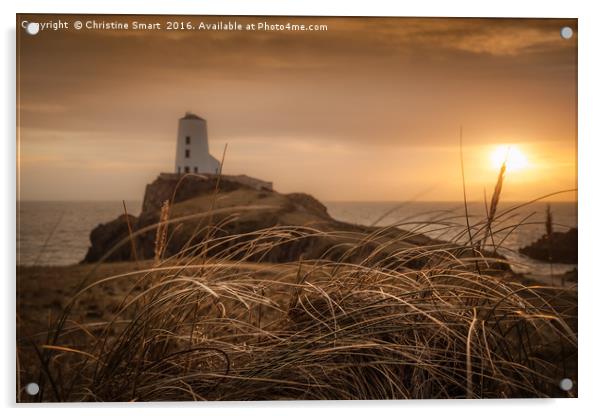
106	236
236	210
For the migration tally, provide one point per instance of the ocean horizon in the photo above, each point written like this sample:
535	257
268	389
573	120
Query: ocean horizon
56	233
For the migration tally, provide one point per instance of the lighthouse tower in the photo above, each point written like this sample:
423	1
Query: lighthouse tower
192	150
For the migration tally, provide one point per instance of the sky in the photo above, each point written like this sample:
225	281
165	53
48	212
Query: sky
369	110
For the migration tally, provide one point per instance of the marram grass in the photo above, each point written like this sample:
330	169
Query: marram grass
195	327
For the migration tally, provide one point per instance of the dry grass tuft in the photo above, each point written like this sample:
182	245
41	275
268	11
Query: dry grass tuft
223	328
161	234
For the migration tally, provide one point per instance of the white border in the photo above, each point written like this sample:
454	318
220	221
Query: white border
590	134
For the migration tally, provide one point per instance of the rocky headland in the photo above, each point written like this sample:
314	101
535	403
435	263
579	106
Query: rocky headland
239	206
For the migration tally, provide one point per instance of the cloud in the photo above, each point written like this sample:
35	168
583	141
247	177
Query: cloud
378	83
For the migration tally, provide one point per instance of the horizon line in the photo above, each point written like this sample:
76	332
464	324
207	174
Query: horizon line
325	200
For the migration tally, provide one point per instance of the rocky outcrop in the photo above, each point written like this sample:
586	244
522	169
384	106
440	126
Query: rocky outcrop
243	211
168	186
106	236
559	247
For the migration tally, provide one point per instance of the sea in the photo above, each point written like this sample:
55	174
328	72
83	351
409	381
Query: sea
55	233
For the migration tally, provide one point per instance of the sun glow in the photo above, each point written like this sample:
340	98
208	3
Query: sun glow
512	155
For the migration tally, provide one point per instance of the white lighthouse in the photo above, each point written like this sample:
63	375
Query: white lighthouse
192	149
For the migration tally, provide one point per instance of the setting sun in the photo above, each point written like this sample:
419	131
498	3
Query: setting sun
515	159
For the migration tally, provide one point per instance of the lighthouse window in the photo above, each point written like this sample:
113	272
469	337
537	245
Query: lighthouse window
187	152
187	139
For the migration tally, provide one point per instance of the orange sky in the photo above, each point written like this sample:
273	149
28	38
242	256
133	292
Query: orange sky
368	110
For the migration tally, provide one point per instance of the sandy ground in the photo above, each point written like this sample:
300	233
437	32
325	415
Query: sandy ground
43	291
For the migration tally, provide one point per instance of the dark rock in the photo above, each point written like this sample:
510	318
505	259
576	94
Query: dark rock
105	237
559	247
